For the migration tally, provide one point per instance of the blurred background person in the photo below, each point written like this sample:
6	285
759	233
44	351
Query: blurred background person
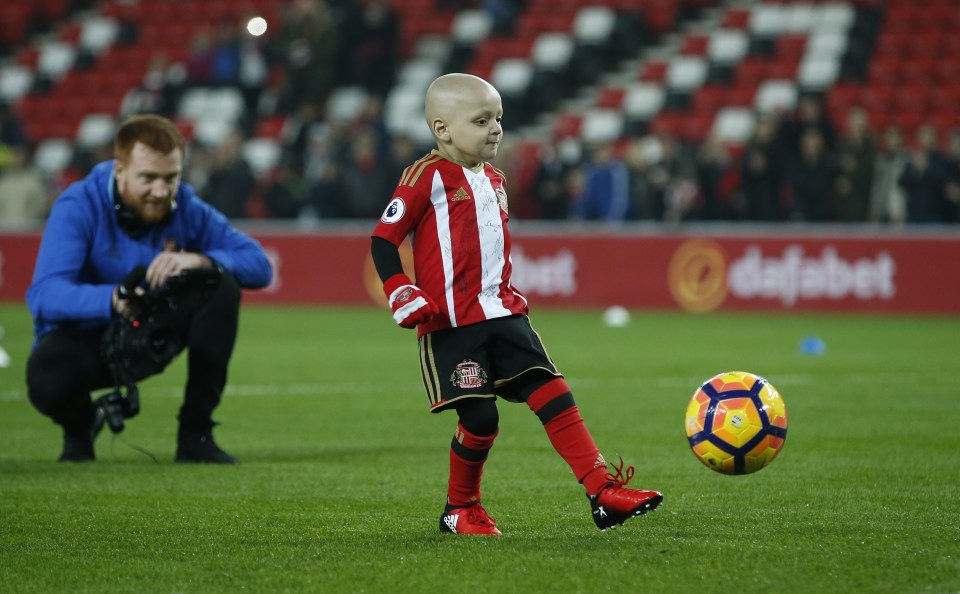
888	203
606	188
924	180
23	193
762	173
856	155
231	182
811	179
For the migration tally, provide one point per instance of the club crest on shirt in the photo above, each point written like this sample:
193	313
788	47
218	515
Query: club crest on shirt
468	374
502	198
394	211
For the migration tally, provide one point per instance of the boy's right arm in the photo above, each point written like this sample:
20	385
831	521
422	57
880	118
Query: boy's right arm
410	305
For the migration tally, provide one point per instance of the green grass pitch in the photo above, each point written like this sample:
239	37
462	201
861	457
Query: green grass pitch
343	471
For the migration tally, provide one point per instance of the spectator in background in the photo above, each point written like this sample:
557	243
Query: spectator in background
809	114
888	204
287	191
307	42
252	72
23	194
646	203
375	59
12	134
924	180
199	62
550	195
159	89
719	181
606	190
761	173
366	183
225	55
856	154
811	179
953	177
326	199
231	180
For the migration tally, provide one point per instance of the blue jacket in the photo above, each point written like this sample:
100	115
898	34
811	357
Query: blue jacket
84	253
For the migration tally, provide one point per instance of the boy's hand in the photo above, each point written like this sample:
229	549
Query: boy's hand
410	305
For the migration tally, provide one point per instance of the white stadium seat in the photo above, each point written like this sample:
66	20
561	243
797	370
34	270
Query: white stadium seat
776	96
733	124
642	101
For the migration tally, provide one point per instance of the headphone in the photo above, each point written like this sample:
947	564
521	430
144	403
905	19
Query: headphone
128	220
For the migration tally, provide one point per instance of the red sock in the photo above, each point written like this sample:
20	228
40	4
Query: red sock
553	404
468	452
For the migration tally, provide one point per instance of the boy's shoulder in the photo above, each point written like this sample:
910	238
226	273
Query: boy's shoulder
413	173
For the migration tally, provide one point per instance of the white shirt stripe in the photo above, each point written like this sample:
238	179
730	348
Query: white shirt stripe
438	197
490	228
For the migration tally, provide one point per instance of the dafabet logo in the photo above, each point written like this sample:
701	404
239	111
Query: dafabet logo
701	275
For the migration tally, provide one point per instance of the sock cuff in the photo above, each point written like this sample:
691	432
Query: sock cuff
474	442
547	392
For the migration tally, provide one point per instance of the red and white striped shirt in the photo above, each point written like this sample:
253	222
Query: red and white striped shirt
457	222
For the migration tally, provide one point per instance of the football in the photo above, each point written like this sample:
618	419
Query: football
736	422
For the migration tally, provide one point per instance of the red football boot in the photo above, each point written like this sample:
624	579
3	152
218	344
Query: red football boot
468	520
616	504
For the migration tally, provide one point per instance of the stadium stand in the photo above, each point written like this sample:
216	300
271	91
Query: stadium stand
590	72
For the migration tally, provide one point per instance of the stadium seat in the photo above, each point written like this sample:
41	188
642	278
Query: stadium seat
53	155
799	17
727	46
15	82
97	34
594	24
262	154
686	73
776	96
601	126
552	51
833	16
818	73
512	76
733	124
419	71
827	44
96	130
643	100
471	26
346	104
56	58
768	20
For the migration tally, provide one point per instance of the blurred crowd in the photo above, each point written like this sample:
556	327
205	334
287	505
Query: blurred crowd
798	166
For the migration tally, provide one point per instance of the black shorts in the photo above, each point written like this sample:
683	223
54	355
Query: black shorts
493	358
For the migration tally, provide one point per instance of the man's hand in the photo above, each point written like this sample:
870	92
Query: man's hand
169	263
124	307
410	305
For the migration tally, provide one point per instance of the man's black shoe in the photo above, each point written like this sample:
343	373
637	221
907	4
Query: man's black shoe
200	447
77	447
78	442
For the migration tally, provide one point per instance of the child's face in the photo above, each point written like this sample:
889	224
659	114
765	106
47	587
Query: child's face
475	130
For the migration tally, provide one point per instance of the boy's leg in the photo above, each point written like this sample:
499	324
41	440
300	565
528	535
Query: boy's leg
611	502
475	434
476	431
553	404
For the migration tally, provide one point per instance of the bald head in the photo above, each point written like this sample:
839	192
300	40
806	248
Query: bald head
455	93
464	112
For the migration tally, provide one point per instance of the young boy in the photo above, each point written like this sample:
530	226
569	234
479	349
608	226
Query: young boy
476	342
